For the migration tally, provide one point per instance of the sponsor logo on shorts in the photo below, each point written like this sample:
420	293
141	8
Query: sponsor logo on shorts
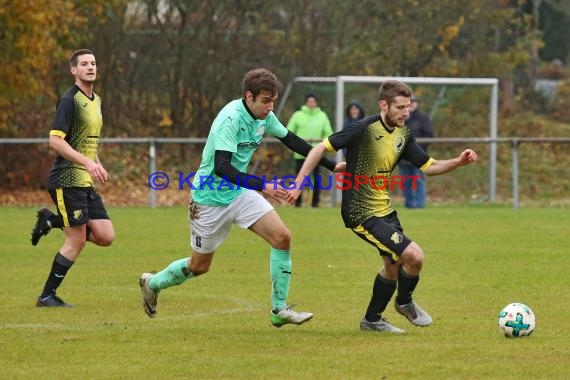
397	238
77	214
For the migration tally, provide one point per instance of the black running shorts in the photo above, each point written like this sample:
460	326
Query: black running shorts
77	205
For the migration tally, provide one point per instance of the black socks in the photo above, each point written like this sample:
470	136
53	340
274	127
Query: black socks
55	221
406	285
381	294
384	289
58	271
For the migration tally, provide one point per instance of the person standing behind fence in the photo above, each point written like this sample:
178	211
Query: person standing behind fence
353	112
420	125
312	124
81	213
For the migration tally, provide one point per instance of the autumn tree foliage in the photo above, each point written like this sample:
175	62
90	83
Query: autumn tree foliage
166	66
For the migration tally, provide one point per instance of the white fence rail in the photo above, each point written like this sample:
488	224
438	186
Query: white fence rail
514	143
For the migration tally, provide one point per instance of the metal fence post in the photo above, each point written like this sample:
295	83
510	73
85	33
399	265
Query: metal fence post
515	154
493	134
336	195
152	163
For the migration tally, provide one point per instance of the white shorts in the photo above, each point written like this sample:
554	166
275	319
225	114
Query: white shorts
214	222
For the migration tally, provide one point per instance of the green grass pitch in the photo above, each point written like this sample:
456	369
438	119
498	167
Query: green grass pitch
478	259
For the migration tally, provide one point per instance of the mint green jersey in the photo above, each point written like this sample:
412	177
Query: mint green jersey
234	130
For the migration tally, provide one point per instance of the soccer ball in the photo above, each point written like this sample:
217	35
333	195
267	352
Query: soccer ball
516	320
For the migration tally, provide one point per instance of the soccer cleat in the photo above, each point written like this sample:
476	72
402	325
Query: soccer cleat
288	315
149	297
52	301
415	314
381	325
42	227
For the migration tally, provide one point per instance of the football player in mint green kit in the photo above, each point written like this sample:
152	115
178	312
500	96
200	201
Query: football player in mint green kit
223	194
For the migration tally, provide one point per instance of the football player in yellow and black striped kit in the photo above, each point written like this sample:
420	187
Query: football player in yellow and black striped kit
374	146
80	210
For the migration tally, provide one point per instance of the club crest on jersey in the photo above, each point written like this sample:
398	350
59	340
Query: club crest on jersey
397	238
399	143
77	214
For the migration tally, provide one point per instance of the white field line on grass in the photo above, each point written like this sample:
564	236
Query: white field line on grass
243	306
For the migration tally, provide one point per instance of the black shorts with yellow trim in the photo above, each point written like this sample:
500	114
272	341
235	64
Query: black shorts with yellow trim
77	205
385	233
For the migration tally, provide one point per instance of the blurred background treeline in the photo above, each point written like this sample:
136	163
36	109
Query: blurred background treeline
166	68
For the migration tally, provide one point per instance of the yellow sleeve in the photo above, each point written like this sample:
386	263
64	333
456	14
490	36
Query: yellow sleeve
328	145
55	132
426	165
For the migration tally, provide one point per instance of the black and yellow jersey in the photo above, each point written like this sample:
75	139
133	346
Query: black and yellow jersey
79	121
372	152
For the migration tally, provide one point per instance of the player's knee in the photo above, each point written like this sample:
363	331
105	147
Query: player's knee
286	236
281	239
105	239
104	242
413	256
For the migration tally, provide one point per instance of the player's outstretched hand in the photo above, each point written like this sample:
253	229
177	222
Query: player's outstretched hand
340	167
275	192
293	195
468	156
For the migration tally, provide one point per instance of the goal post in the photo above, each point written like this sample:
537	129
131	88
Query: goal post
341	80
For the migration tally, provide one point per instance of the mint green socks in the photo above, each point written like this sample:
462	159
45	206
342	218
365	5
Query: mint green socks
174	274
280	269
279	266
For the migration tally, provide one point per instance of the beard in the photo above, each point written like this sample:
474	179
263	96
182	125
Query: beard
390	122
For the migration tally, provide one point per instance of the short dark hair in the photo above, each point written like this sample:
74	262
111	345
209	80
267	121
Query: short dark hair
311	95
393	88
76	54
258	80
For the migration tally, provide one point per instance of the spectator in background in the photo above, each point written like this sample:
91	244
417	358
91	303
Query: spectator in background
419	124
311	124
354	112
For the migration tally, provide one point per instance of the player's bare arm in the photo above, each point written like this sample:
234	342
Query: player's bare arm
300	146
311	162
62	147
466	157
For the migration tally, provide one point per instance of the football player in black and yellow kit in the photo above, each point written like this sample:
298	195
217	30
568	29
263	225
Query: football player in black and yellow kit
374	146
80	210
